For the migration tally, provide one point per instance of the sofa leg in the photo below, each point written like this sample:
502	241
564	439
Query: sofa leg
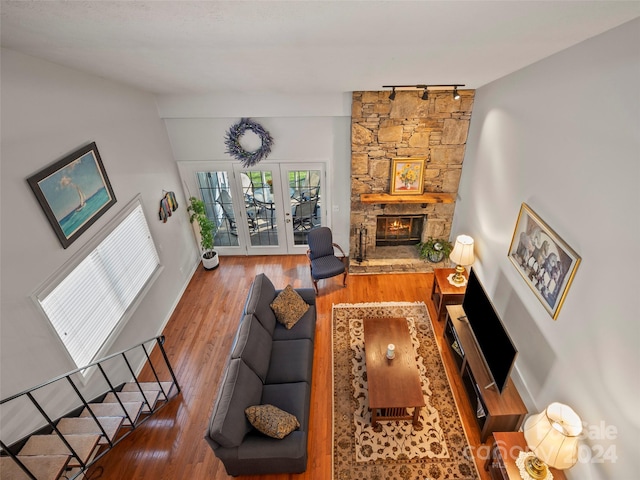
315	286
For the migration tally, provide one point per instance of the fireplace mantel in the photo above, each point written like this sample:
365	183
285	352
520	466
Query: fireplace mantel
384	198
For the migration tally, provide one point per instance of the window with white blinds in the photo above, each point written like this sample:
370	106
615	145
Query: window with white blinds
88	304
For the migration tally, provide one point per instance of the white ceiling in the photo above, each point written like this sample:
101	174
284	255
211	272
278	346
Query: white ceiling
189	47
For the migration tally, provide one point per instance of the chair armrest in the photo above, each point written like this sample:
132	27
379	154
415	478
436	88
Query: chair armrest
339	248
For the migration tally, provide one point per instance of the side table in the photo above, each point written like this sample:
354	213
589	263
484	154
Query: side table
443	293
504	452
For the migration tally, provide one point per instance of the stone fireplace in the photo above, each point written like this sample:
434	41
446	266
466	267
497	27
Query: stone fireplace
407	127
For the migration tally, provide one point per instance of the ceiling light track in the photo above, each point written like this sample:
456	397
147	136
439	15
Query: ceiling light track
425	89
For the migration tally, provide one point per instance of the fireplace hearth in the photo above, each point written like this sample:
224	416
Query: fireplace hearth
394	230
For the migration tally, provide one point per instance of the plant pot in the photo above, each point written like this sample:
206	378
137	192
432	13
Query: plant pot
210	263
435	257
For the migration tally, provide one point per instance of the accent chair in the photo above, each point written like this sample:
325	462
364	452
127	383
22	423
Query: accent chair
323	261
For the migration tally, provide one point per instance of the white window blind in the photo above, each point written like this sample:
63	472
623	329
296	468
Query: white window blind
88	304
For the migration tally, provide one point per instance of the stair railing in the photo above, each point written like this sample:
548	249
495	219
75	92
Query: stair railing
48	423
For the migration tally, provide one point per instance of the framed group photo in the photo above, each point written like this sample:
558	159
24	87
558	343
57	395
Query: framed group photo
73	192
407	176
547	264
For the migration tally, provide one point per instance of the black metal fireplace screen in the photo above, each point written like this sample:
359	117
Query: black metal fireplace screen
398	229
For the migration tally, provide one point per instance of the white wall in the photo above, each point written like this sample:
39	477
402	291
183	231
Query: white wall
562	135
305	128
49	111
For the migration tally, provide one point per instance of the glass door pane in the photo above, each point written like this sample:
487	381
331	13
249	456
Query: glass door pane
215	191
259	202
262	207
306	199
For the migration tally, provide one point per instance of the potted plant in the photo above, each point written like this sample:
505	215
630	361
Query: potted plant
434	249
208	229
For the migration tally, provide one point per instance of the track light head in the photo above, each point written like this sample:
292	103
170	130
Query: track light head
425	89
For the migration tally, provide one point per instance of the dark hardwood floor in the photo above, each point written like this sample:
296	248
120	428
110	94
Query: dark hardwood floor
198	340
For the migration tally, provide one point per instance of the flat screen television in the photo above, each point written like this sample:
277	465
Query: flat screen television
493	340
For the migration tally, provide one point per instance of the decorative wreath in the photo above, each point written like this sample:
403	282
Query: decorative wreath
232	141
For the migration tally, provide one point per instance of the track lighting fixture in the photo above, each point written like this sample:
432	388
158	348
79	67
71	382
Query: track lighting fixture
425	89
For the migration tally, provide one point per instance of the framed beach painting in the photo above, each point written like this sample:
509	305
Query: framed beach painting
407	176
544	260
73	192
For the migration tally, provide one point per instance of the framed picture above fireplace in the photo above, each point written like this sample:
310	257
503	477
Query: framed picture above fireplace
407	176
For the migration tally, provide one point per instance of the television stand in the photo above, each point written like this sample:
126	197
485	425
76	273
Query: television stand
495	411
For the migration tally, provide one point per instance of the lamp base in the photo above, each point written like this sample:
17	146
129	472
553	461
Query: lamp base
522	459
536	468
458	279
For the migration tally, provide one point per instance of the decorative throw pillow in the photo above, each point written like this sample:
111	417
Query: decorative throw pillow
271	421
289	307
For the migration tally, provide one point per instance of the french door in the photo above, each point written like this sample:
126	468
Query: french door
264	209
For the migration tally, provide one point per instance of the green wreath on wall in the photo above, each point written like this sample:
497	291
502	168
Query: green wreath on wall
235	133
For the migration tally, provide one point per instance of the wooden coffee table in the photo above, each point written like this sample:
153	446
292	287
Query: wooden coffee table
394	385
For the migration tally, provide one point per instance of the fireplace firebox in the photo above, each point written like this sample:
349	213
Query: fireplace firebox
394	230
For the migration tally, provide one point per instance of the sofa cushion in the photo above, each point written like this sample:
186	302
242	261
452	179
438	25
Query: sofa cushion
294	398
291	361
307	294
240	389
289	307
271	421
281	453
253	345
304	328
259	300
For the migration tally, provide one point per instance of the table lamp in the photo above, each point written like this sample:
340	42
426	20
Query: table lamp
462	256
552	435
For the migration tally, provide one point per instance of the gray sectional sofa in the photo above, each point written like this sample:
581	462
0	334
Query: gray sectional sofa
269	364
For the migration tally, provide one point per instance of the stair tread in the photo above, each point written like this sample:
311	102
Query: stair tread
53	445
114	410
150	396
43	467
81	425
147	386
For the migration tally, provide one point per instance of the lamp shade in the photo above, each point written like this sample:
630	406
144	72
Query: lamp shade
462	253
552	435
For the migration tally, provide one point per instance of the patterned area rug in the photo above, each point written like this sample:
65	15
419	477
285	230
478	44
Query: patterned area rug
436	448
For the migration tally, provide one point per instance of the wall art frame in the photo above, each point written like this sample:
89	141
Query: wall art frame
407	176
545	261
73	192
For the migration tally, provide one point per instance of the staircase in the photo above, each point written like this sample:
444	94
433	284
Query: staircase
65	446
